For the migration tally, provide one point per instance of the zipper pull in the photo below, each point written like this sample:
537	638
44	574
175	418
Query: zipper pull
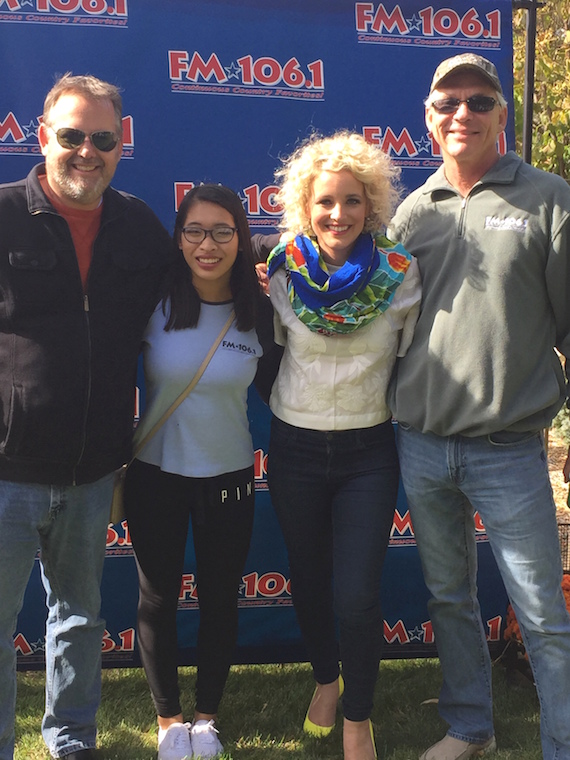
85	302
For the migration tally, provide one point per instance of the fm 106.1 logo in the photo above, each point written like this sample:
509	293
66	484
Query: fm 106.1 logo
430	27
256	589
72	12
422	633
34	651
259	202
263	77
19	137
410	153
402	531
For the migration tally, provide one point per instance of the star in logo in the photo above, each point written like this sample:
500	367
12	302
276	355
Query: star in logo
232	71
417	634
414	23
38	646
31	129
26	2
423	145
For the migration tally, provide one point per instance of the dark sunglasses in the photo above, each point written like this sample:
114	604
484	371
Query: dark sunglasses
476	104
71	139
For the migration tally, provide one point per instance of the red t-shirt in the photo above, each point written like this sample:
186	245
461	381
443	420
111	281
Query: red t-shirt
83	225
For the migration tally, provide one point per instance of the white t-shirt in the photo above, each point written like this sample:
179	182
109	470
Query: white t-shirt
208	434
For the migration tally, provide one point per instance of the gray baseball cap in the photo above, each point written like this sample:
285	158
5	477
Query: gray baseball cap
466	62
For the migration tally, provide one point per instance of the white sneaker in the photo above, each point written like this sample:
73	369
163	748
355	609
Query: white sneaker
204	738
174	742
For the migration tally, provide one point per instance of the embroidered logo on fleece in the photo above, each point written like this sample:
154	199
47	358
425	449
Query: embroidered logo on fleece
509	223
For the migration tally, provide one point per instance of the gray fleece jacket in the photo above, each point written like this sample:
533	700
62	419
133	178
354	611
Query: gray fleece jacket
495	270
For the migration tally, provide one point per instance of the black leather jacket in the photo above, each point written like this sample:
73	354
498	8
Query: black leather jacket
67	358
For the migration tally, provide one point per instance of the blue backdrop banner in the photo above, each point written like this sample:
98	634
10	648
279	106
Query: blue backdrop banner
219	91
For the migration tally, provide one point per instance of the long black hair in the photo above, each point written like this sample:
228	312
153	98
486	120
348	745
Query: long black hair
179	289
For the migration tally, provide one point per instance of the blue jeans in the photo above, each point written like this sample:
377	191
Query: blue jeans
69	526
504	476
334	494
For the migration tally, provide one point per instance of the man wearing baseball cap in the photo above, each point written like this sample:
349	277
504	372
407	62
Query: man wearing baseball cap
479	384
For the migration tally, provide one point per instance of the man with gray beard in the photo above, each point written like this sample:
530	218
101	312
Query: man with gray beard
80	266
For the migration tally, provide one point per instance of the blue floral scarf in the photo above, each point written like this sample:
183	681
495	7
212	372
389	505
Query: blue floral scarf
352	296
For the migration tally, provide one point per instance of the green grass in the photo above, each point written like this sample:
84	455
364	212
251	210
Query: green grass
263	710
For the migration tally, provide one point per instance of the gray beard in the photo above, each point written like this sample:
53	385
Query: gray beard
77	191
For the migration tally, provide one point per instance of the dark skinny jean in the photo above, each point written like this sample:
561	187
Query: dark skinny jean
335	494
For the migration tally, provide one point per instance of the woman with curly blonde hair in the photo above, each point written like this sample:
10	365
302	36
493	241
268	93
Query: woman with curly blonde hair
343	151
345	300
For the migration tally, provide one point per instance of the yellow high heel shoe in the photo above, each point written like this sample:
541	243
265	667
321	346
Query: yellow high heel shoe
312	728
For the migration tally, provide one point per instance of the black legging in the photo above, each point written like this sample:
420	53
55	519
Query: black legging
158	507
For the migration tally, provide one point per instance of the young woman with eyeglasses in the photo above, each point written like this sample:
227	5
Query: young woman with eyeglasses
198	467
